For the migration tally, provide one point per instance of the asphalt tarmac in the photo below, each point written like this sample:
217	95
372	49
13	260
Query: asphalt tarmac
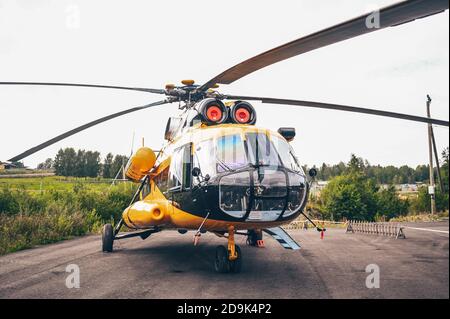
167	265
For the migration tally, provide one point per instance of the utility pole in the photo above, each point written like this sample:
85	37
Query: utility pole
431	188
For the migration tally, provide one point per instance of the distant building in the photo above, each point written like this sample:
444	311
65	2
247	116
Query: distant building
317	187
4	166
404	188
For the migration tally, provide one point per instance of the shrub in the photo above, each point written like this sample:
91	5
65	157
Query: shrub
349	196
28	219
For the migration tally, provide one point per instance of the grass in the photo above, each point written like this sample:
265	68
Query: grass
57	183
36	211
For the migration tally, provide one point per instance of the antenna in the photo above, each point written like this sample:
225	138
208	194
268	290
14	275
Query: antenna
122	168
132	144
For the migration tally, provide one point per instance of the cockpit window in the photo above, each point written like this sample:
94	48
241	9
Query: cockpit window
261	151
230	154
180	168
203	158
286	154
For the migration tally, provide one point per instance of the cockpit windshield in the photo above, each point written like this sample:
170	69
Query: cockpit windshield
261	150
230	152
257	175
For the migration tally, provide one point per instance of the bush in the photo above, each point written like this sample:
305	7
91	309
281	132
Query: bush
389	205
28	219
422	204
55	223
355	196
349	196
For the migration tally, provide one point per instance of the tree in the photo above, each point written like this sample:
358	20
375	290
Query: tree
92	164
47	164
65	162
119	161
350	196
107	165
80	164
389	204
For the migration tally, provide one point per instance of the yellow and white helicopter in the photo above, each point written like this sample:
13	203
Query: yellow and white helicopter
220	173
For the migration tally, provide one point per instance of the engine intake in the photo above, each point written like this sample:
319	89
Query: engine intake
213	111
243	113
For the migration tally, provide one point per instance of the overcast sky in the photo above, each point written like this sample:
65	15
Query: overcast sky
150	43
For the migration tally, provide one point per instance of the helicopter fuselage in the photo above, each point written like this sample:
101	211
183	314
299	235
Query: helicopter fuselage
222	175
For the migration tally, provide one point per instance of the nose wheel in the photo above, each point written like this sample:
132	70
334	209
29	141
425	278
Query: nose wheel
228	260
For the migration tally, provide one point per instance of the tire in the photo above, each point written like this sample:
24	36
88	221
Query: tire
221	263
236	265
107	238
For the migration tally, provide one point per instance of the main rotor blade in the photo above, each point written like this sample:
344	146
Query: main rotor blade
340	107
82	128
393	15
156	91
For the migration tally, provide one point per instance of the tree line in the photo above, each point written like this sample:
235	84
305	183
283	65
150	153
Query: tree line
383	174
82	163
356	194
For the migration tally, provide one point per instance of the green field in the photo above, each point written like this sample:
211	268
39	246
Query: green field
38	184
41	210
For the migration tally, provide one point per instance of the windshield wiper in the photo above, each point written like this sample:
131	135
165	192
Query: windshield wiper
225	166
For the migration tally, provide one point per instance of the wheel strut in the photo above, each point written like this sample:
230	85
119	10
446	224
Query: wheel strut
232	253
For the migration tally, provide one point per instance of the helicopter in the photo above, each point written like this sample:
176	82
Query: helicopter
220	173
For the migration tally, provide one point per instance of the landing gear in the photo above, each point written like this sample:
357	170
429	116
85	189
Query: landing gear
255	238
228	260
109	235
107	238
223	264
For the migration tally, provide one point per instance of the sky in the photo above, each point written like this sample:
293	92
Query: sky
151	43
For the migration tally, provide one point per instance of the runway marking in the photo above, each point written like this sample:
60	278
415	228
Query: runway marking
427	229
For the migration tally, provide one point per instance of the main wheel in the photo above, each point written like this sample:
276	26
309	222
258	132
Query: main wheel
221	263
236	265
107	238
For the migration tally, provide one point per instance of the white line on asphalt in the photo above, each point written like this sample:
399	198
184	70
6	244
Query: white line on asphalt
427	229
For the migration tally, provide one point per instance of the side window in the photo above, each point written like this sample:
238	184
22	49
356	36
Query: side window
175	169
161	180
204	156
180	168
187	166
